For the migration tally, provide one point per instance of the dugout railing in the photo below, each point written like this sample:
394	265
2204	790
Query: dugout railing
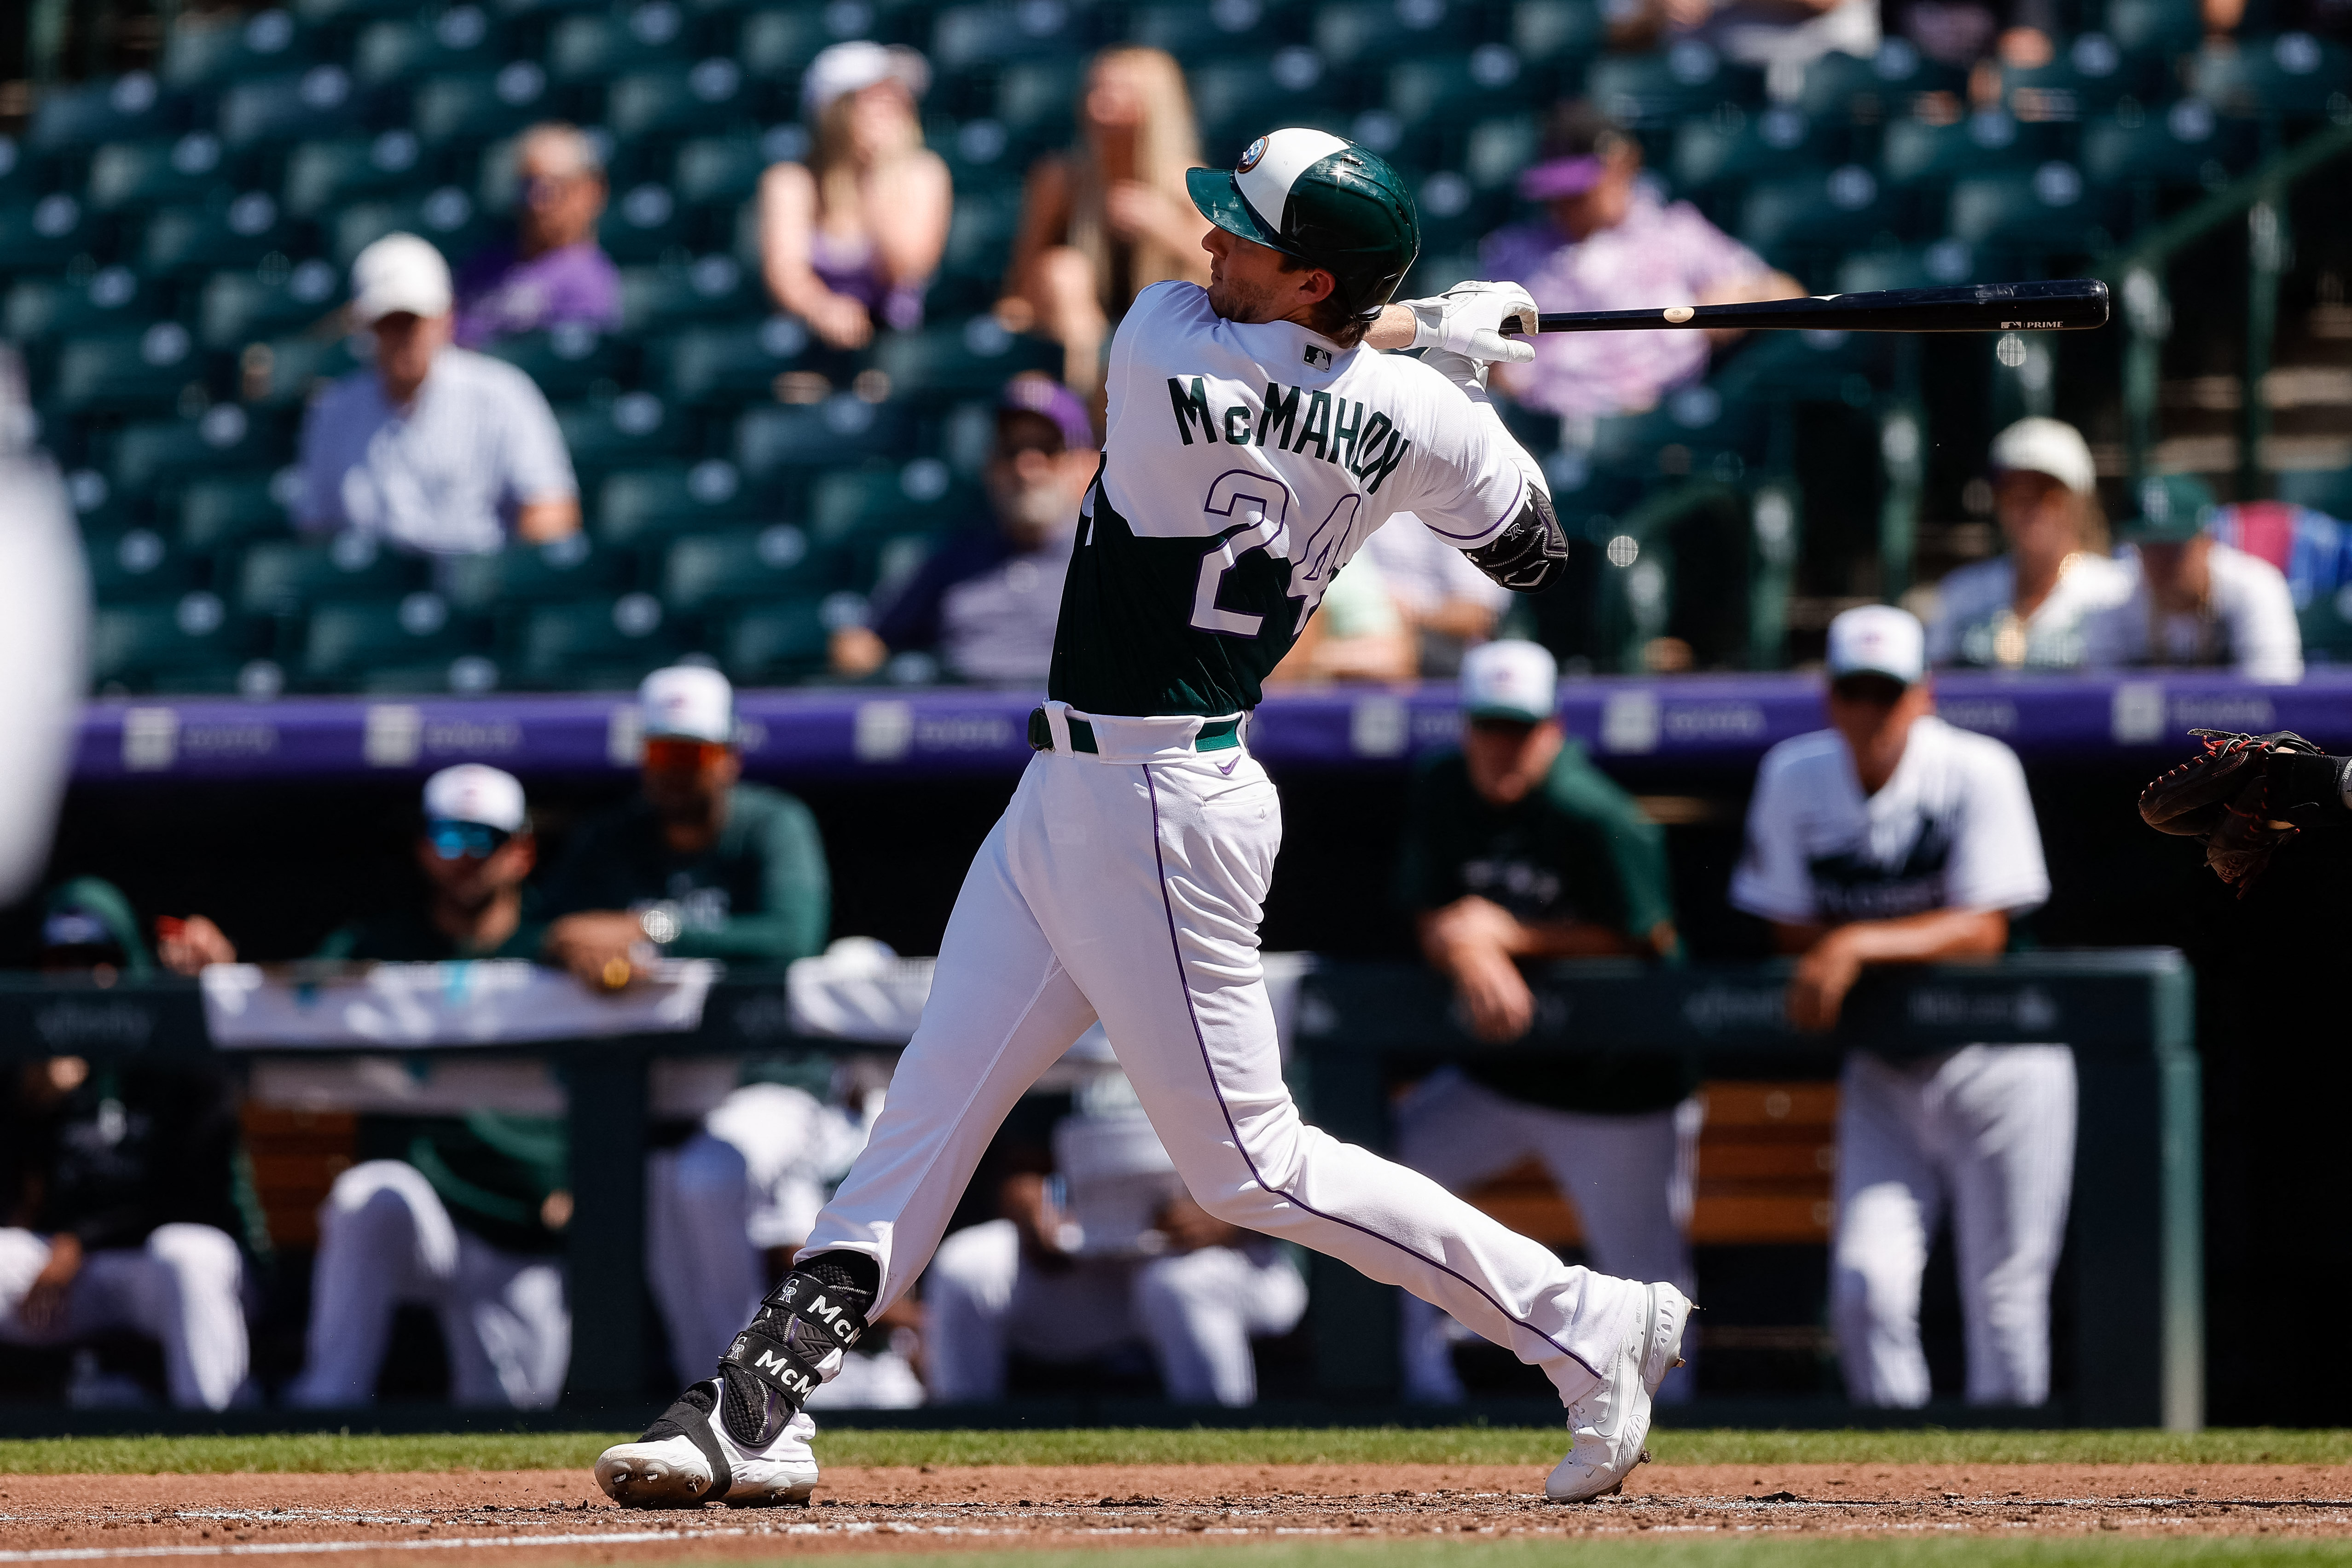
2135	1226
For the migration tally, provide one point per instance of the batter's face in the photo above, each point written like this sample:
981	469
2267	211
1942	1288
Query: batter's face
1247	281
1507	759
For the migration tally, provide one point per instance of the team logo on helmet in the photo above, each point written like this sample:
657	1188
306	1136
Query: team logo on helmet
1250	155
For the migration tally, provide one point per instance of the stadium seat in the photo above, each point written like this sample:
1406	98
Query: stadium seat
129	108
712	287
776	44
1939	265
461	39
1352	33
2084	78
2186	145
720	169
1234	100
564	569
209	50
980	239
1846	90
630	429
193	644
136	565
1198	32
1814	215
842	429
778	643
2047	211
963	36
704	97
1434	94
916	496
596	645
706	572
1497	149
647	222
241	306
225	512
2327	490
475	106
1812	367
566	360
237	231
321	177
40	308
135	175
1555	37
642	506
375	644
956	358
724	364
136	369
446	216
282	577
43	234
595	47
223	439
1704	424
283	372
1721	149
2161	30
1034	101
2293	76
1916	152
1653	90
292	107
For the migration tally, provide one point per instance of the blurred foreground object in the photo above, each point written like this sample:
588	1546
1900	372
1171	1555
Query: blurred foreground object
44	628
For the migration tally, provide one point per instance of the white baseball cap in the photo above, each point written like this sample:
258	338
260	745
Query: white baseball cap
1878	639
1509	679
399	272
472	792
2050	446
858	64
688	702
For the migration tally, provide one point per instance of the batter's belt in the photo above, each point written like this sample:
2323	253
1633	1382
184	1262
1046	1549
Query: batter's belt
1125	739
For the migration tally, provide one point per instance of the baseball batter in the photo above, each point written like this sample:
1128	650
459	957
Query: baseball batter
1255	437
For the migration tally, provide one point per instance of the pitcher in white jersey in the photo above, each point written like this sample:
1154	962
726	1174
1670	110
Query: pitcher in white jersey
1257	433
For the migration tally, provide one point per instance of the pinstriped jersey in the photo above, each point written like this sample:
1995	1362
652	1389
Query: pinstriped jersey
1245	464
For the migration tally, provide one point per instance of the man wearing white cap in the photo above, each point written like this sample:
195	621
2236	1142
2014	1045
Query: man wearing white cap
2031	607
1515	847
1892	838
437	448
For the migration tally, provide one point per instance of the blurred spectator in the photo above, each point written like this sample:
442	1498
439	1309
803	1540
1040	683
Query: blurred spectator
1608	243
476	850
121	1200
1110	216
698	864
438	448
2312	550
1894	837
985	604
849	241
1978	36
553	271
2192	599
1354	632
1783	36
1517	847
2026	609
1129	1256
1450	605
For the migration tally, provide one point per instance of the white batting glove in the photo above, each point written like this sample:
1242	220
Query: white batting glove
1468	318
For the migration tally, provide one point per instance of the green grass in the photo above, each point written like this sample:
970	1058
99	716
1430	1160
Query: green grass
1540	1446
1879	1551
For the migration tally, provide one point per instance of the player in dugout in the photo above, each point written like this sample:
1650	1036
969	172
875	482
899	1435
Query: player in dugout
1515	847
1894	837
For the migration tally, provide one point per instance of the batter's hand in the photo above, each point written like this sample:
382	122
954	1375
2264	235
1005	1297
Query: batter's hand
1466	320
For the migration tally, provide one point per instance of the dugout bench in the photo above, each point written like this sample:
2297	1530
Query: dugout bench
2128	1014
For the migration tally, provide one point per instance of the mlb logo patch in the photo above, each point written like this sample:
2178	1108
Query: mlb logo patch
1319	356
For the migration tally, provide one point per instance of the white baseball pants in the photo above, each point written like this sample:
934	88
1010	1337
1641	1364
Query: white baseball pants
1196	1311
386	1240
1126	886
1988	1130
184	1289
1629	1176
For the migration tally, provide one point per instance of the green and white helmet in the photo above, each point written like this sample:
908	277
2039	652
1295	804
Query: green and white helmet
1323	201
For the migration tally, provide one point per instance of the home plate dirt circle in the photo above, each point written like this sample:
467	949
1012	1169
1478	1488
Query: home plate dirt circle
519	1515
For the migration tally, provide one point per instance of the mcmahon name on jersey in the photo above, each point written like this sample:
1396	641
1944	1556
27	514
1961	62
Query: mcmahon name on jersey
1245	464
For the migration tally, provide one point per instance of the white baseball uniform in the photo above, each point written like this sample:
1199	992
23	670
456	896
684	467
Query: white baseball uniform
2252	627
183	1288
1245	464
1986	1131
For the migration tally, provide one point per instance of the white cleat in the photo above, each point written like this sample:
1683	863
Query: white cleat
672	1465
1607	1426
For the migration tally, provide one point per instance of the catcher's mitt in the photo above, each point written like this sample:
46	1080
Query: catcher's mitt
2245	796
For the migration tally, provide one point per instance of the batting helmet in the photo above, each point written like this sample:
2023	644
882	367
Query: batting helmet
1323	201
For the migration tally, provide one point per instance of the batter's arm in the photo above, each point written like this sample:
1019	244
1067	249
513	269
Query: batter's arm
1531	552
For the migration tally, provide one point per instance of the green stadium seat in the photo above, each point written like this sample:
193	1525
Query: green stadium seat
1553	34
712	287
1814	217
194	645
135	175
1497	149
679	99
783	438
1435	94
1035	100
980	238
596	645
351	12
461	39
630	429
404	644
563	570
322	176
2047	211
1349	33
566	360
595	47
1846	90
1651	91
137	369
282	577
964	36
1812	367
1718	436
546	7
43	233
647	222
207	50
129	108
40	308
1727	150
1939	265
2084	78
1914	153
240	307
642	506
917	496
705	572
956	358
1238	101
136	565
1199	32
225	439
2293	76
446	216
778	643
724	364
297	106
2327	490
776	44
229	512
723	170
476	106
2186	145
2159	29
283	372
237	231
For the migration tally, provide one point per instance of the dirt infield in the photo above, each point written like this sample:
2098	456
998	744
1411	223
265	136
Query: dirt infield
516	1515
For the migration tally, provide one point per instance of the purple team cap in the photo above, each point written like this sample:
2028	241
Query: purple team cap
1036	392
1556	178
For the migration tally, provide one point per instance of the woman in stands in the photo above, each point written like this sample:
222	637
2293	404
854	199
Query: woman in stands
849	240
1110	216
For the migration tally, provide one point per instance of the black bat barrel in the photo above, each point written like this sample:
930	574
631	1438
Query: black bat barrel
2065	305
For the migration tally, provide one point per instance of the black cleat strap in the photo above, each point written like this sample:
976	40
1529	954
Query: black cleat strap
793	1375
823	1307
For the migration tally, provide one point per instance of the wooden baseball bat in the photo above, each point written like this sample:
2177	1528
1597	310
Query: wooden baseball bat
2065	305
